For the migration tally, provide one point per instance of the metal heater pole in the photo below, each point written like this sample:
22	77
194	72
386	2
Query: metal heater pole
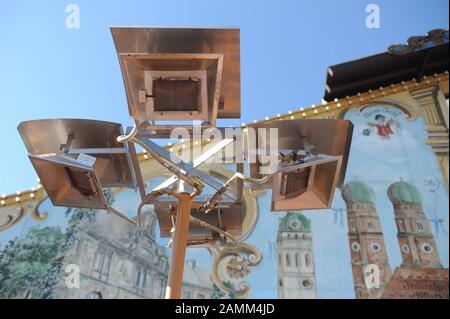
175	282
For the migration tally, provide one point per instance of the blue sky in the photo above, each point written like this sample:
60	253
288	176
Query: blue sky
49	71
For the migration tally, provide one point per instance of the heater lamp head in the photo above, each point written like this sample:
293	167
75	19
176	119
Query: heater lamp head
96	138
306	186
229	217
328	137
173	74
69	182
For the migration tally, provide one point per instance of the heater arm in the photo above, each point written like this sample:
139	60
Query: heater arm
215	199
163	157
201	223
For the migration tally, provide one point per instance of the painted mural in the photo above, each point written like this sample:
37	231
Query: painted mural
313	254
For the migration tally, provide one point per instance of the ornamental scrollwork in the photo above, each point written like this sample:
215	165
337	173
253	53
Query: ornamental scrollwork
13	214
231	265
418	43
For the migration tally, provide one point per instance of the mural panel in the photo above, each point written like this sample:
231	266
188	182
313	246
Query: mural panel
393	182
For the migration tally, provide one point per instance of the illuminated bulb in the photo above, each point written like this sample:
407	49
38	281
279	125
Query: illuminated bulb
301	109
243	124
196	143
336	99
146	156
292	117
278	115
3	203
17	199
266	118
290	112
32	195
183	146
338	105
208	140
171	149
327	108
313	106
315	111
381	88
303	114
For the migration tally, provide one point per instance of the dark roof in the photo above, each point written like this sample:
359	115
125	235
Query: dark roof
382	70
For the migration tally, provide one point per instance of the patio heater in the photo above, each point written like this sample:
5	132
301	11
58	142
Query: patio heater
185	74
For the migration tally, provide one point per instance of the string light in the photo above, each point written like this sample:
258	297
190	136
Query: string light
2	202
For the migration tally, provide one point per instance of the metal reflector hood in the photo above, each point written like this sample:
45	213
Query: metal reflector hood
96	138
307	186
69	182
329	137
231	219
212	56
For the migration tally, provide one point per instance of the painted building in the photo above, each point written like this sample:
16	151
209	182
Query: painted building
115	262
415	237
296	274
196	282
366	240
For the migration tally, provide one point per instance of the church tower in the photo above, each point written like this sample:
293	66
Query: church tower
415	238
296	271
366	239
